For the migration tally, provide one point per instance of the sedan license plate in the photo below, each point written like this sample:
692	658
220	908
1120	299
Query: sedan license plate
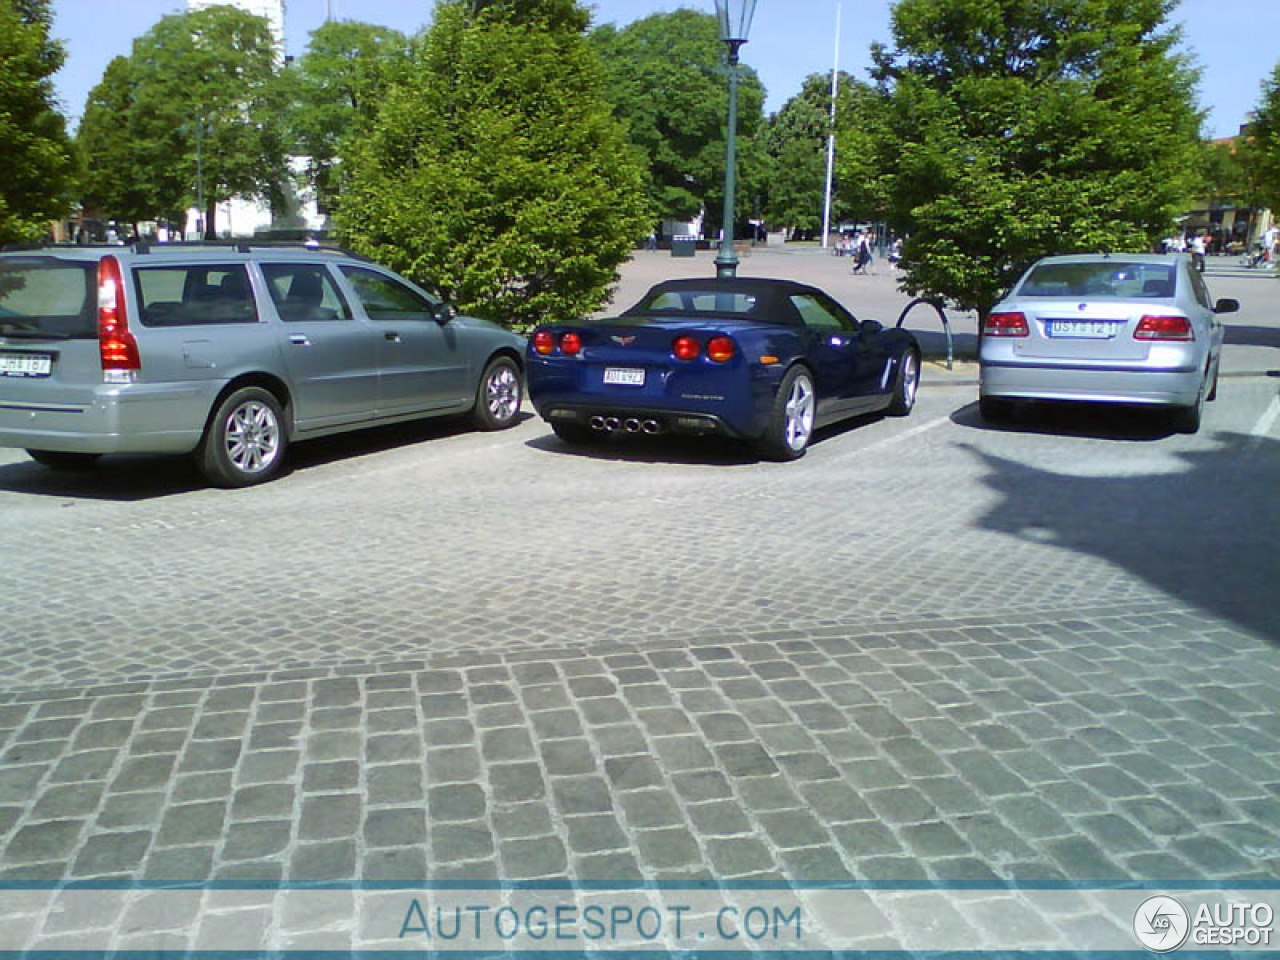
627	376
1082	329
25	364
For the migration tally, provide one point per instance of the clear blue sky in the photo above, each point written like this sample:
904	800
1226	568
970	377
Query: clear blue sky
1237	42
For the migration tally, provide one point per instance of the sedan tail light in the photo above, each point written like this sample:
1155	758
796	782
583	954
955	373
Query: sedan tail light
720	349
1164	328
544	342
1006	325
686	348
571	344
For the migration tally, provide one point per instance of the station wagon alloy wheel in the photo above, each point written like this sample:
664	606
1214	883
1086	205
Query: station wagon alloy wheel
498	396
245	442
502	393
253	437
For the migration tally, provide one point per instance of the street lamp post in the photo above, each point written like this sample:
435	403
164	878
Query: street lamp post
735	23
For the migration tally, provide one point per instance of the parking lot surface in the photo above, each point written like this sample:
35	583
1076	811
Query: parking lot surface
930	650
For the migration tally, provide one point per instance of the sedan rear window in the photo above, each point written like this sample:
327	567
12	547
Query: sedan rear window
48	297
1101	279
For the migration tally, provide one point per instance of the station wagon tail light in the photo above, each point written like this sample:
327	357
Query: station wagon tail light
1164	328
720	349
686	348
544	342
1006	325
571	344
116	344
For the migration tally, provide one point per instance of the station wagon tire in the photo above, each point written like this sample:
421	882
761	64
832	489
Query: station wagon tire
64	460
245	443
498	396
577	434
791	420
995	409
906	385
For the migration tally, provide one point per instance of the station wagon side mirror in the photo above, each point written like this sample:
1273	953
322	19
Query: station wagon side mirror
1226	305
445	313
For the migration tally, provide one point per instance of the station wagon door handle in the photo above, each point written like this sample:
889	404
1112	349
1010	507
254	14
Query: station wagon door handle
300	339
392	336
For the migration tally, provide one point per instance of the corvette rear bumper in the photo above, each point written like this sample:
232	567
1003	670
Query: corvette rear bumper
628	419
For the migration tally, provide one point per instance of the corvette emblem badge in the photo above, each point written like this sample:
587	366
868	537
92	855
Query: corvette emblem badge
623	341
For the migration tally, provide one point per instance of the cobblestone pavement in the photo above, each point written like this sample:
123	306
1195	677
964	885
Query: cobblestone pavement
930	650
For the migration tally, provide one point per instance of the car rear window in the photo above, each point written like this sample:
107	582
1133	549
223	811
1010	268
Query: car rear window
48	297
697	301
194	294
1102	279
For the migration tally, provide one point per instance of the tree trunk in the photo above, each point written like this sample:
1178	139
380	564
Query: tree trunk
210	220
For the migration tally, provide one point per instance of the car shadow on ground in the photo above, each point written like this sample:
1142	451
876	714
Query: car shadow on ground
1206	535
135	478
1061	418
1247	336
683	449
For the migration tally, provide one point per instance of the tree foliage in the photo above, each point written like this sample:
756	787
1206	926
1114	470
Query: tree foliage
1019	128
1262	149
202	82
35	153
494	171
666	80
336	88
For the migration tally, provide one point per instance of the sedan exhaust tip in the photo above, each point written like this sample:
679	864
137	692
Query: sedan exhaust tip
633	425
597	423
611	423
651	426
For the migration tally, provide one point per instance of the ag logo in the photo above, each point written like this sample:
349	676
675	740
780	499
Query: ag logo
1161	924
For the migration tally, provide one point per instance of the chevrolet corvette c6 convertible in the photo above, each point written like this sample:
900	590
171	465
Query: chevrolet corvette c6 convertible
765	361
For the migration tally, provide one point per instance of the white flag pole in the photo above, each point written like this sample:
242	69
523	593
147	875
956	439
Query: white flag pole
831	137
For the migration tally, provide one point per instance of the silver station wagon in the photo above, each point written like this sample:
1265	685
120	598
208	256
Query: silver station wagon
230	352
1112	328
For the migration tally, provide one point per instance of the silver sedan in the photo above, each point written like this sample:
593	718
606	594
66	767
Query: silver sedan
1109	328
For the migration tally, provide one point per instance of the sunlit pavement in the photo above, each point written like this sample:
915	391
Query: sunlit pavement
930	650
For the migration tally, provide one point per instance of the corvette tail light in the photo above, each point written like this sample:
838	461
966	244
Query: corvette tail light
1164	328
571	344
1006	325
544	342
117	347
686	348
720	349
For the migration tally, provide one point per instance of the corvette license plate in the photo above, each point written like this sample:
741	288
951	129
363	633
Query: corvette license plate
627	376
25	364
1082	329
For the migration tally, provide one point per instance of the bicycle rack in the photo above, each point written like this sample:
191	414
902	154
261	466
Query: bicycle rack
946	325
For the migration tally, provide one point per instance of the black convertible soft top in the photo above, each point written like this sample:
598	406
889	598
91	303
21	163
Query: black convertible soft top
750	298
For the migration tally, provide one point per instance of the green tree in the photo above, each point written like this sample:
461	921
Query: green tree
115	146
197	100
336	89
495	171
1262	149
1020	128
35	153
666	79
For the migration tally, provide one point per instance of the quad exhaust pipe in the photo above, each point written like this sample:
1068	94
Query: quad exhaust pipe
631	425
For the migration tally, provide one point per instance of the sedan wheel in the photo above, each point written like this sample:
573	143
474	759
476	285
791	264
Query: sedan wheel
1187	419
791	422
245	443
498	397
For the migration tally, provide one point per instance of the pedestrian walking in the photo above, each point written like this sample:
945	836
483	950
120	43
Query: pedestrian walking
1198	249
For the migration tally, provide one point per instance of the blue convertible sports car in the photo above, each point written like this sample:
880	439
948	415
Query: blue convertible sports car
767	361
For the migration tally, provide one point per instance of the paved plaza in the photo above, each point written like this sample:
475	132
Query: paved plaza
931	650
